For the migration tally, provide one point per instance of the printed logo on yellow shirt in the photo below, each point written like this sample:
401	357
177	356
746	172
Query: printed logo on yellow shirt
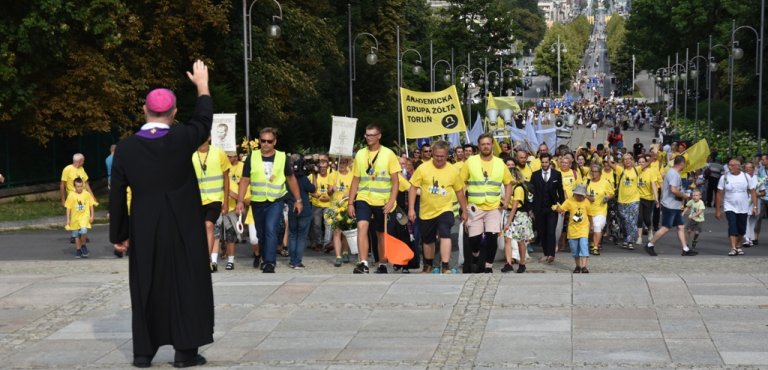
578	216
322	188
436	189
342	187
80	206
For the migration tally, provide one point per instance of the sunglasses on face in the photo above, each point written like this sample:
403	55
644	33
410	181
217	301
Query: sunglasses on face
267	141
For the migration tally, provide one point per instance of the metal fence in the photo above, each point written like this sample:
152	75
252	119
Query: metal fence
26	162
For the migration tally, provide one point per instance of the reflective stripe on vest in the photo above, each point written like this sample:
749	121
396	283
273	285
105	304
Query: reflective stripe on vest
377	186
262	188
479	189
211	182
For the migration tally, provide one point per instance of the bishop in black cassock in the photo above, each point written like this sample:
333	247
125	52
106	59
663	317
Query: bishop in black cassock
170	282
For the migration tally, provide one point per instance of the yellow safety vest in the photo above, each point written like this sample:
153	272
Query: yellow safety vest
376	184
265	189
481	189
211	181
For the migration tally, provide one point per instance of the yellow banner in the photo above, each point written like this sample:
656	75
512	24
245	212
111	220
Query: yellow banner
427	114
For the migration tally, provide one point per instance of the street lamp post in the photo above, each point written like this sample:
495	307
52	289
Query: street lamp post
560	48
695	76
738	53
371	58
273	31
416	70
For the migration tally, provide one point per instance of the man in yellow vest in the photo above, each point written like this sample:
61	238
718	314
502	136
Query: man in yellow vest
212	171
372	193
484	175
268	173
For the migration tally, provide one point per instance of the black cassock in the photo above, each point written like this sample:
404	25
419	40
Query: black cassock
170	280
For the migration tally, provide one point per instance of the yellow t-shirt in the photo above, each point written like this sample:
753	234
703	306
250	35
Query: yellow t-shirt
535	164
323	184
235	173
571	178
438	187
578	224
458	165
609	176
628	189
488	168
600	189
527	171
518	195
342	185
70	173
647	177
361	164
79	206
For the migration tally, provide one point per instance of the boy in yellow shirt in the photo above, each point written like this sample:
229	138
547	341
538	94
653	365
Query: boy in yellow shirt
578	226
79	206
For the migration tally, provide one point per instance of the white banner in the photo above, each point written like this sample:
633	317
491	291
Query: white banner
342	136
223	131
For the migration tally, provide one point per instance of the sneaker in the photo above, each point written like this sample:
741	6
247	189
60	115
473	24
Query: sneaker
520	269
268	268
436	270
507	268
84	249
740	252
577	270
338	262
345	257
213	266
256	261
382	269
584	270
488	270
78	254
230	266
360	268
639	240
426	269
299	266
693	244
446	270
405	270
746	244
630	246
649	249
690	252
754	243
595	252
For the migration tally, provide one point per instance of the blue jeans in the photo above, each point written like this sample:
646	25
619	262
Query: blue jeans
298	230
267	221
579	247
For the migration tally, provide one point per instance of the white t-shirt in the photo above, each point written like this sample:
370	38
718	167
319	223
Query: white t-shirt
735	191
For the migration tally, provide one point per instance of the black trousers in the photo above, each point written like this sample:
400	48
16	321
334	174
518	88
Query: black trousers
646	211
546	221
711	189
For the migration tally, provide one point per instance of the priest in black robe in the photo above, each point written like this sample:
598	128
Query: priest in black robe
170	281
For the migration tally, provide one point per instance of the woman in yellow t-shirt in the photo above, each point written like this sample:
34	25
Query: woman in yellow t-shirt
599	192
340	193
518	225
649	183
627	183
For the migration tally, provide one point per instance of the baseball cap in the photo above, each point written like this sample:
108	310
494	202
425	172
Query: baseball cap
161	100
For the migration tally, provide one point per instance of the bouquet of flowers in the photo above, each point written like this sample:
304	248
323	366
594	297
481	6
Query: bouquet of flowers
336	215
249	146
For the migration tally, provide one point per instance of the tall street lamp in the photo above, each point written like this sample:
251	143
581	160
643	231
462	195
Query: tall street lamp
416	70
559	48
371	58
738	53
695	75
447	77
273	31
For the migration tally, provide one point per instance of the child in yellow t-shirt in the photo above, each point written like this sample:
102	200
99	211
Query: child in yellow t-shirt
578	226
79	206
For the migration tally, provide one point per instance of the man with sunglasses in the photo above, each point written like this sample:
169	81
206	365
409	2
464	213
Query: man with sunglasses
268	173
373	193
484	175
426	155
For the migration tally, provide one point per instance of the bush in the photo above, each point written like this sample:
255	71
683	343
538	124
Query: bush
744	143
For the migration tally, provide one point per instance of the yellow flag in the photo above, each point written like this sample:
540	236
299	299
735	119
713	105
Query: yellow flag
696	156
496	148
427	114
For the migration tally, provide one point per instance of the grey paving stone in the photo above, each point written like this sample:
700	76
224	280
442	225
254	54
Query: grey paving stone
719	279
701	352
683	329
524	347
530	319
290	293
413	321
242	293
390	348
741	342
348	292
628	350
330	313
305	347
731	300
15	318
47	295
319	325
745	358
256	325
534	293
619	289
669	290
233	346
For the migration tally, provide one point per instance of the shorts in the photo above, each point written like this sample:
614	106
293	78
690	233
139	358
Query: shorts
77	233
693	226
737	223
211	212
484	222
579	247
225	229
671	218
438	227
598	223
374	215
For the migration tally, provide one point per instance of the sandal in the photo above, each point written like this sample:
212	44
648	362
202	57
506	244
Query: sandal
732	253
739	252
284	253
